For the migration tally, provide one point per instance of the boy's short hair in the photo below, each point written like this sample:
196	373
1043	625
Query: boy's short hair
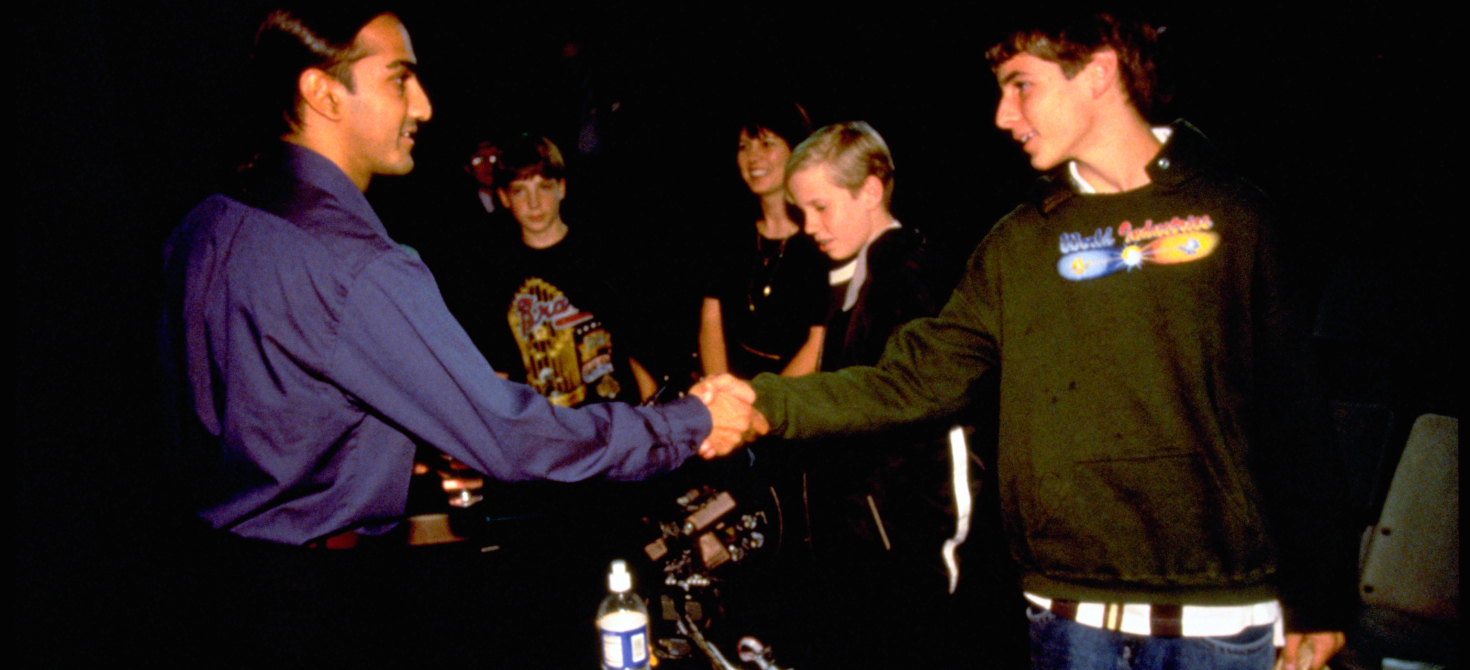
853	150
785	120
1071	40
524	157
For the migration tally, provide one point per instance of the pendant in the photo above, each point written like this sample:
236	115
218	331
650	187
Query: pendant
766	291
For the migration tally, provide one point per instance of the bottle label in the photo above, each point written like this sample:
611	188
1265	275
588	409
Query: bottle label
624	640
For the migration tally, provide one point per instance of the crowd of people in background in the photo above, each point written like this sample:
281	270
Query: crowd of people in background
819	282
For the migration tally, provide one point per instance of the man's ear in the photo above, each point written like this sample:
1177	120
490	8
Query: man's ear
1102	72
503	197
319	92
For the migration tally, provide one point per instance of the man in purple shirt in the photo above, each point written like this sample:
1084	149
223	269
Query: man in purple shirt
316	352
310	354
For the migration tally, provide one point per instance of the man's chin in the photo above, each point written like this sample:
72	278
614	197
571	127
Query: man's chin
1043	162
397	168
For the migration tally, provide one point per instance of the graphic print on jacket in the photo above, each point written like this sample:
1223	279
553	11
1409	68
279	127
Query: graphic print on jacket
565	350
1178	240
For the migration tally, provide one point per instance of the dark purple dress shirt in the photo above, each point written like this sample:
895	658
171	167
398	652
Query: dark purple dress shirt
309	353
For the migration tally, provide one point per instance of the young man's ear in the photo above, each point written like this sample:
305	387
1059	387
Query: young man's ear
1102	72
871	192
503	196
319	93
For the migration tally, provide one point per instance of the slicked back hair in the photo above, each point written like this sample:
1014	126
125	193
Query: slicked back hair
291	41
1071	40
853	151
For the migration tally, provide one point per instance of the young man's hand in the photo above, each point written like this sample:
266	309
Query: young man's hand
735	421
1310	651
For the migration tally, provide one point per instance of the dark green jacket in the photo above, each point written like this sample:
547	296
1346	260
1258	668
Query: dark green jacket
1156	399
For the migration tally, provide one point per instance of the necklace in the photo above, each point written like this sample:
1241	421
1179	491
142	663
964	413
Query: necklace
767	270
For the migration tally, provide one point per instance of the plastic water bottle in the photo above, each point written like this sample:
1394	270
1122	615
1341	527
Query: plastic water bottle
622	620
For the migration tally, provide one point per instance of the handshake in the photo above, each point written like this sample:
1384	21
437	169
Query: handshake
735	421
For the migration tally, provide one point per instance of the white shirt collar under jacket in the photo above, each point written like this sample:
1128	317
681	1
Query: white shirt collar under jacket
855	271
1161	132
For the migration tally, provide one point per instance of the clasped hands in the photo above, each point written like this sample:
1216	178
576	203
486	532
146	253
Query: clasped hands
735	421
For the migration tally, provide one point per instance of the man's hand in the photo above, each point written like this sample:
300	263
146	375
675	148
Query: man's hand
735	422
1310	651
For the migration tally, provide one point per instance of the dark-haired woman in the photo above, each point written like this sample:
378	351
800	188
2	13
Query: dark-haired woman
765	308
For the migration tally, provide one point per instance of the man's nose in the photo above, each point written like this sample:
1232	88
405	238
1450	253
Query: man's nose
418	101
1005	112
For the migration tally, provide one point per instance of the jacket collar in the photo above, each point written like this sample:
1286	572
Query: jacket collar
1182	158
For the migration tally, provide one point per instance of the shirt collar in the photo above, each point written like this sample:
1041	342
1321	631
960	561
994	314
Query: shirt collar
1162	133
315	170
855	271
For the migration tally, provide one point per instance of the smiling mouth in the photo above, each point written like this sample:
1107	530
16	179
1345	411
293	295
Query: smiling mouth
1026	137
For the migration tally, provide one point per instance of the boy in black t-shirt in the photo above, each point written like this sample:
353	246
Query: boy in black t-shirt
550	314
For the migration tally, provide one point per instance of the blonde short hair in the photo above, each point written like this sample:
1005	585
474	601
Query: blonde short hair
853	150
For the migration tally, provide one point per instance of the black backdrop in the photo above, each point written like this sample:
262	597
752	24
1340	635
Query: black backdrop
125	119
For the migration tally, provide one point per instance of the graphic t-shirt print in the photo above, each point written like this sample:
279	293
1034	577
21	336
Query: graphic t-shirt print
565	350
1179	240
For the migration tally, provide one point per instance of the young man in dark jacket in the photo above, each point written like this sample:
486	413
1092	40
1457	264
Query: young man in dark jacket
1165	464
886	515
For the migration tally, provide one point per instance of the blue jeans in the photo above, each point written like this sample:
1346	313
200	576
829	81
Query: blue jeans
1058	644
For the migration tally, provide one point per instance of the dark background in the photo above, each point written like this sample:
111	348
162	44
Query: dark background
126	117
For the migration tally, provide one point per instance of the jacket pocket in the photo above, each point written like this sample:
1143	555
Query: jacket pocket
1160	521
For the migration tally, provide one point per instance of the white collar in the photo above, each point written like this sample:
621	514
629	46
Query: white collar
855	271
1162	133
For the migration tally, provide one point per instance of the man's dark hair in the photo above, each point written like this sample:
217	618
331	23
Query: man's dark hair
289	42
1071	40
524	156
787	120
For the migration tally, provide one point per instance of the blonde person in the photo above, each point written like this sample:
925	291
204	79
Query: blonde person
883	512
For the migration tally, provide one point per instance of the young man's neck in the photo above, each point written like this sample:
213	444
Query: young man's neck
545	238
1117	161
881	222
774	223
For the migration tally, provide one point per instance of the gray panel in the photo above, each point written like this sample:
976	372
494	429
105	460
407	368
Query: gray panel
1413	561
